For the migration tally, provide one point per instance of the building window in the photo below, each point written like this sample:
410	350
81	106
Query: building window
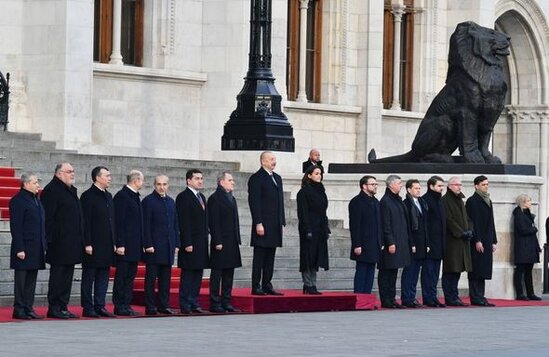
313	49
131	35
405	75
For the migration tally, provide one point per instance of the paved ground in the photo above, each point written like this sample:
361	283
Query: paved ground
501	332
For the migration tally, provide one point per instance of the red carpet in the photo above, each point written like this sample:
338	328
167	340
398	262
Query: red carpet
9	186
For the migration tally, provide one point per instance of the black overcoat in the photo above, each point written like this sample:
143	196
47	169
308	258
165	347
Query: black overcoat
482	216
266	202
436	224
457	253
308	163
365	228
64	223
28	231
418	226
129	224
193	230
526	246
160	229
224	229
396	230
312	204
99	228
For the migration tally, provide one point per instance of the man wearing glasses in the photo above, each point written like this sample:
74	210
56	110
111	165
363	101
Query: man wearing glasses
64	236
365	227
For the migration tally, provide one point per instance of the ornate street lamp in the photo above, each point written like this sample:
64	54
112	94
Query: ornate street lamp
258	123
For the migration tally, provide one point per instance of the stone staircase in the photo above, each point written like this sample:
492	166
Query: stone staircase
26	152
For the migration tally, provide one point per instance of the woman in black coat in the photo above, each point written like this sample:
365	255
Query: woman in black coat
312	204
527	248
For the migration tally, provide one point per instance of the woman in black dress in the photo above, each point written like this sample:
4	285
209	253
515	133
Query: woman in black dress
527	248
312	204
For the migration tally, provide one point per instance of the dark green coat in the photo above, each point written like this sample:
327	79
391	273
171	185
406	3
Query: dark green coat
457	253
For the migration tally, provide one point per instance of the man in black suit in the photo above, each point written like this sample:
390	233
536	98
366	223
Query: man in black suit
366	240
160	242
313	160
266	200
28	245
65	237
99	243
193	230
129	242
224	246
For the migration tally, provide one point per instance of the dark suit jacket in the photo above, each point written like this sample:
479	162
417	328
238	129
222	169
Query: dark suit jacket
160	229
418	226
28	231
129	224
266	202
365	227
99	228
436	223
484	231
64	223
396	231
308	163
225	230
193	230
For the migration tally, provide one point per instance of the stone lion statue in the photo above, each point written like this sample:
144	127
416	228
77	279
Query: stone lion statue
463	114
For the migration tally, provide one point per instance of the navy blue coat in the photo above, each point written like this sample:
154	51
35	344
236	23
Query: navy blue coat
436	224
484	230
28	231
365	227
266	202
418	226
225	230
129	224
193	230
160	229
394	220
99	228
64	223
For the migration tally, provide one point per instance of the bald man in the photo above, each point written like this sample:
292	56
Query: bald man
314	159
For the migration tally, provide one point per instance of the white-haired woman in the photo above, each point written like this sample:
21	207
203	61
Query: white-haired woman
527	248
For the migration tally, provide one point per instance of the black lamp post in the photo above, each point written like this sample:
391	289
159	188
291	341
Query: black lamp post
258	123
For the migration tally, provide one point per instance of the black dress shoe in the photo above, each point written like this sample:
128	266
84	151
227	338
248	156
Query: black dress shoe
231	308
71	315
414	304
522	297
197	310
217	309
167	311
134	313
315	291
33	315
456	303
151	312
534	297
388	306
21	316
90	313
104	313
272	292
57	314
489	304
478	303
185	311
258	292
399	306
121	312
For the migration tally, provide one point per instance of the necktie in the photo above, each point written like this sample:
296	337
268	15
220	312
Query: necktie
418	205
273	178
200	200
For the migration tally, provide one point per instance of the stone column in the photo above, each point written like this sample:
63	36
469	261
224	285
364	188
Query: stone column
302	91
116	56
397	11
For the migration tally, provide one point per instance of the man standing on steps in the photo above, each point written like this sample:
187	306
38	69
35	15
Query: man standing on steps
193	256
99	243
28	245
160	242
129	242
64	236
266	200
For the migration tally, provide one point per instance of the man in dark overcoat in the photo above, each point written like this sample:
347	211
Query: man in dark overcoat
160	243
483	245
417	211
457	254
193	256
64	236
397	241
28	245
266	201
99	243
366	239
313	160
436	225
129	242
225	243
